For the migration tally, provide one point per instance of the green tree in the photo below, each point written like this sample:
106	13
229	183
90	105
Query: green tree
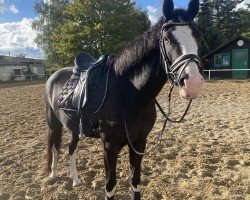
244	21
98	27
219	20
50	16
228	20
247	34
212	37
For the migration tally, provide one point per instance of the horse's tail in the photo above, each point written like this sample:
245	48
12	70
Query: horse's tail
54	135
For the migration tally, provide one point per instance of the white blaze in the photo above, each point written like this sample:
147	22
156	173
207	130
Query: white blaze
183	35
188	44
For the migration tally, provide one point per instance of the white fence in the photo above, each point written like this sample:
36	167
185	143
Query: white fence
27	77
32	77
222	70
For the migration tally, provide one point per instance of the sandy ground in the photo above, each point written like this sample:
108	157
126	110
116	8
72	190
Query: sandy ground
206	157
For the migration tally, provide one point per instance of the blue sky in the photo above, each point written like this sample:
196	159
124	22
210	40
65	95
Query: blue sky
17	36
16	10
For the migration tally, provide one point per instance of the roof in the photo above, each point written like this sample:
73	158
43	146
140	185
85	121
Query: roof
17	61
225	44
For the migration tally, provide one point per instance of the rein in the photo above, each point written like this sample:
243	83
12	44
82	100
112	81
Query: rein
173	71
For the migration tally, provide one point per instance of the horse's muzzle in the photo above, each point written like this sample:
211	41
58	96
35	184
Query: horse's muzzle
191	83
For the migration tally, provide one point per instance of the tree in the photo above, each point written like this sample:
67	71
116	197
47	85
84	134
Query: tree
227	19
219	20
50	16
244	21
212	37
98	27
247	34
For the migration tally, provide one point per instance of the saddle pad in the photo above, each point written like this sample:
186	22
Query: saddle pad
66	95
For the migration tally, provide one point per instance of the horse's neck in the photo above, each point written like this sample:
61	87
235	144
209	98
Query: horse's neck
144	82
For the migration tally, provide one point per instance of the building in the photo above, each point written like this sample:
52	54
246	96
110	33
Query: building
20	68
233	55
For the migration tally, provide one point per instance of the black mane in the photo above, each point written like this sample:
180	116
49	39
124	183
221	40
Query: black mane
138	51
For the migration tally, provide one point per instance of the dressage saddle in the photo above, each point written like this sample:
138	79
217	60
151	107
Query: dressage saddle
85	91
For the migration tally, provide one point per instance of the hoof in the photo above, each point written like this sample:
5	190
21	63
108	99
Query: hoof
76	182
109	198
135	195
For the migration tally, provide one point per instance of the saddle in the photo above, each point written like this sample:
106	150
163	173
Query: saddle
85	91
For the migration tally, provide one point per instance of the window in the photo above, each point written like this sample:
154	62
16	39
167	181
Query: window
17	72
241	55
222	60
35	70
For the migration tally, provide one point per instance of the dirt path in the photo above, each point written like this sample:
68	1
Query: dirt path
207	157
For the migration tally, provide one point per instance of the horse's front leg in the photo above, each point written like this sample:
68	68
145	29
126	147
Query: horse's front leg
72	158
135	166
110	160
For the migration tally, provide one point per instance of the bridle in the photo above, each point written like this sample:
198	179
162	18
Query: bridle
173	71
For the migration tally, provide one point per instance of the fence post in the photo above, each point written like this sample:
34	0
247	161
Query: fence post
209	76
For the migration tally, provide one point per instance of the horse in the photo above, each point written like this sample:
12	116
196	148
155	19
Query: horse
168	51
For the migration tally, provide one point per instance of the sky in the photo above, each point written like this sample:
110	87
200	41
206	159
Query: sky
17	36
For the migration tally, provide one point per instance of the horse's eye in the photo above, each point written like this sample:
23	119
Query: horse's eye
166	39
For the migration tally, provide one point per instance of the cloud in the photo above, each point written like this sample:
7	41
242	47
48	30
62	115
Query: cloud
243	5
13	9
153	14
18	37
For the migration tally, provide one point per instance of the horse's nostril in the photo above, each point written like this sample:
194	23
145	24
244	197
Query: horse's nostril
182	83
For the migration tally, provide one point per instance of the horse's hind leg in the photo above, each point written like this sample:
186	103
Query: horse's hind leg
135	164
54	141
72	156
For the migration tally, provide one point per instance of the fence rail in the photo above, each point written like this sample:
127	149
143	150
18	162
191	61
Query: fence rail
222	70
32	77
27	77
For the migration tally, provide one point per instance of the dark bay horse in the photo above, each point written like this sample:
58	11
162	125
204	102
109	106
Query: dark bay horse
168	50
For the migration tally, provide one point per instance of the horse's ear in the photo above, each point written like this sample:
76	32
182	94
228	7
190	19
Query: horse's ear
168	9
193	9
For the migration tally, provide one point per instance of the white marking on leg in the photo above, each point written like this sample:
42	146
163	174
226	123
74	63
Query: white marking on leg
136	189
80	135
72	169
54	163
111	193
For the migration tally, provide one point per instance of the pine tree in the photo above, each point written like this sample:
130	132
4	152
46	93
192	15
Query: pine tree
220	21
212	37
227	19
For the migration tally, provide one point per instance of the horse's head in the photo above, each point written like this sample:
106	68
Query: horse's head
179	48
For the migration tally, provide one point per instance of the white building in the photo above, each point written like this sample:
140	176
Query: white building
18	68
